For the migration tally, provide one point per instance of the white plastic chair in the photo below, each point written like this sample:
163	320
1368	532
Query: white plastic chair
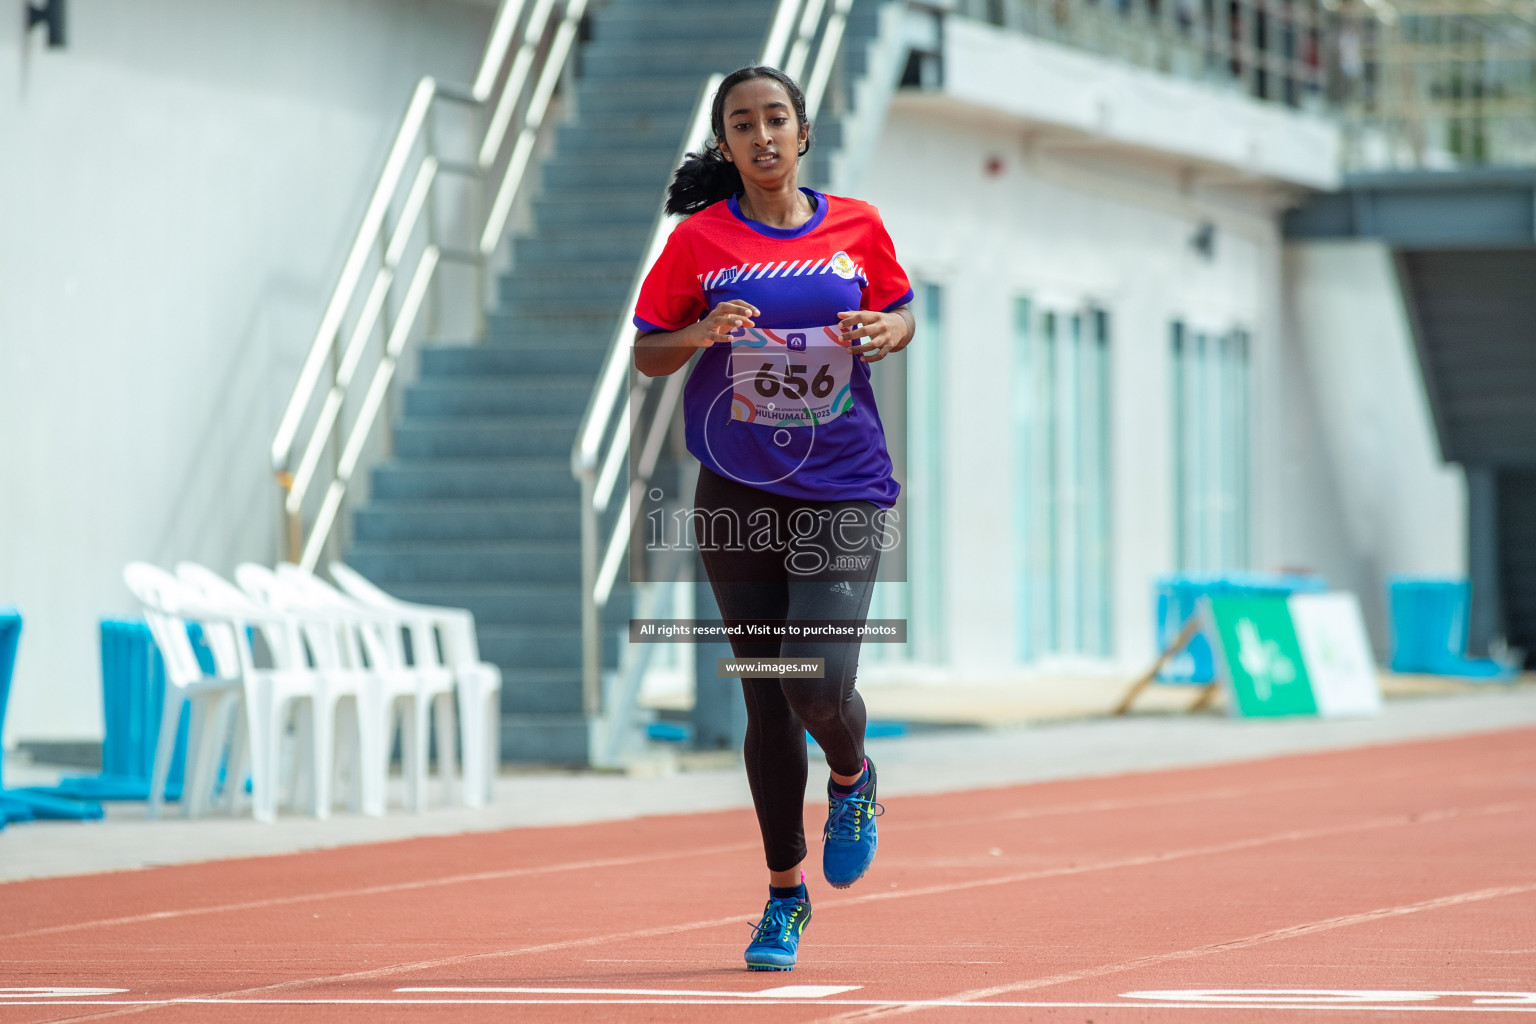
288	687
345	693
409	692
168	606
478	683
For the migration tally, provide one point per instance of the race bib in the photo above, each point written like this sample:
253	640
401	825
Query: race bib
790	377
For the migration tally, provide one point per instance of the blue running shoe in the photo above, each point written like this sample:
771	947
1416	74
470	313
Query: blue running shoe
777	936
849	840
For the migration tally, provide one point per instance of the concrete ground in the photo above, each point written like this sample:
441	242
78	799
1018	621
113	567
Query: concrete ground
930	761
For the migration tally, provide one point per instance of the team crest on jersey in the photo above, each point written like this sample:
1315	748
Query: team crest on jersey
841	265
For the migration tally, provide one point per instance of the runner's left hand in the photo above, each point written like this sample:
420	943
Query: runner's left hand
885	333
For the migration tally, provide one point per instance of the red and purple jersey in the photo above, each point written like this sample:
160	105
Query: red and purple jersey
786	407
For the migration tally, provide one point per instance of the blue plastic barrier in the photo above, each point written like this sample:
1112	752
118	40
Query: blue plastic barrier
10	635
1178	596
27	804
1429	629
132	699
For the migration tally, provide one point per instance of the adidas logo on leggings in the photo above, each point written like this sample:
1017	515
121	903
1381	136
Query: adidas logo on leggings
842	587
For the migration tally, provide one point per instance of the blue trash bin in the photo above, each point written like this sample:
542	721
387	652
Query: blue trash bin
28	803
1177	597
1429	620
132	697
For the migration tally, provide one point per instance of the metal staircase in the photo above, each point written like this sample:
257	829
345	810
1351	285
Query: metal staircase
1464	242
1474	318
476	505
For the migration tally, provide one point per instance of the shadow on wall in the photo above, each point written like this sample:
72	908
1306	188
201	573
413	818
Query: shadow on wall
226	505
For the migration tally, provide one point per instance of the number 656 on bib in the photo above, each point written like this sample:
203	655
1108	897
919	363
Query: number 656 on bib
790	377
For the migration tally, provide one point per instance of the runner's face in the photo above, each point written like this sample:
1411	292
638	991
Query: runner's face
762	134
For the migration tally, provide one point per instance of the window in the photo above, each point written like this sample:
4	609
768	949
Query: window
1211	442
1062	477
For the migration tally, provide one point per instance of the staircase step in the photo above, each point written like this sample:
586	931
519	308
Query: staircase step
541	646
475	479
485	437
576	142
567	173
563	395
532	356
585	332
516	289
645	127
568	243
461	520
568	209
655	95
713	25
503	561
555	739
630	22
540	690
532	316
585	270
646	192
515	603
603	240
608	290
617	59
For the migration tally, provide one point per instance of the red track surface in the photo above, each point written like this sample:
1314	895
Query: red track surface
1405	870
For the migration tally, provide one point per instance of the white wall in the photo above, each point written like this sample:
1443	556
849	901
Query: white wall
177	190
1081	226
1051	85
1346	478
1400	509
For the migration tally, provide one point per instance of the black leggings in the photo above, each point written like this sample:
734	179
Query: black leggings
806	581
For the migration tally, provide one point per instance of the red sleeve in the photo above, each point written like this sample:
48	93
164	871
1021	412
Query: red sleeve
672	296
887	286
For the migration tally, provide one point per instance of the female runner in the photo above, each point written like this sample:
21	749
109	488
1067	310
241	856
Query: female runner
782	287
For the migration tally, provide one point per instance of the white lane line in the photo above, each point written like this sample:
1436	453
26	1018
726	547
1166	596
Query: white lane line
1293	835
1261	938
873	1004
1109	804
379	890
51	992
1092	806
1335	996
781	992
1231	846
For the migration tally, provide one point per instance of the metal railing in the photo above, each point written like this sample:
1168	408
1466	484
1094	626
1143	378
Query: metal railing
1414	83
803	34
511	97
1436	83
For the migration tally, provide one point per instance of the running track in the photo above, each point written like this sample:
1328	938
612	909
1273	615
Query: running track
1389	883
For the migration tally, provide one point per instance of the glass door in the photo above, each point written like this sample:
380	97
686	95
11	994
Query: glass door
1062	490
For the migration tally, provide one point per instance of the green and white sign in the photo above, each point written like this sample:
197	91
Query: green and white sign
1259	657
1306	654
1337	651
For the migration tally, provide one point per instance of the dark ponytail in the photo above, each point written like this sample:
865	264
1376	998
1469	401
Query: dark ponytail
703	178
708	177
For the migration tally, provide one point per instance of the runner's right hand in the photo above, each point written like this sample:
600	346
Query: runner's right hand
722	320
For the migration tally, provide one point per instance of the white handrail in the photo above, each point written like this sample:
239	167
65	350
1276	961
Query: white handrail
498	93
826	55
595	422
532	120
367	234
